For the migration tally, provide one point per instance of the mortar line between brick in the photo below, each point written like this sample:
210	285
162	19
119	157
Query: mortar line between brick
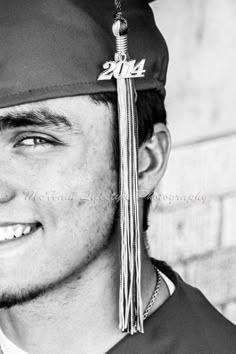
204	140
207	255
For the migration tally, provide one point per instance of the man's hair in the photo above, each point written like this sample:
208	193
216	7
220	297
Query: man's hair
151	110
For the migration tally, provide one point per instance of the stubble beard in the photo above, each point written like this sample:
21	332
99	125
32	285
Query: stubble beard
29	293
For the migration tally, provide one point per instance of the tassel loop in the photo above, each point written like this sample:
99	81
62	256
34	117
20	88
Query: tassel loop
120	26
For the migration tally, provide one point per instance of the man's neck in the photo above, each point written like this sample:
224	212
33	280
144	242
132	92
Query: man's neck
81	316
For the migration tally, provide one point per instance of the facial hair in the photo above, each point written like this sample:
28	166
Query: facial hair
28	294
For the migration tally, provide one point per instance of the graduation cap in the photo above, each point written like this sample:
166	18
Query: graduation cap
59	48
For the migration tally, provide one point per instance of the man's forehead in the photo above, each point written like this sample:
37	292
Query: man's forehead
79	113
26	108
61	103
57	105
43	114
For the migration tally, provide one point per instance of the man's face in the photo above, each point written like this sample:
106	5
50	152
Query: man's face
57	172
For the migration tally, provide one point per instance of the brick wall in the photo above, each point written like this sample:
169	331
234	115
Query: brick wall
193	221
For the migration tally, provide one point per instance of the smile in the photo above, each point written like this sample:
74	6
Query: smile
11	232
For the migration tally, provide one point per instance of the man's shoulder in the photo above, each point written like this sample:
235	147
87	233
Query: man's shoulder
198	318
185	324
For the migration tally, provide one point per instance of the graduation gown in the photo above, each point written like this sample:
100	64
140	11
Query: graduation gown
185	324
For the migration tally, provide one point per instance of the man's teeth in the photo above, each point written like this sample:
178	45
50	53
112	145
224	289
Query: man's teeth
10	232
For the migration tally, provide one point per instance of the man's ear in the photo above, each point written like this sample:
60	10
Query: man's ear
153	158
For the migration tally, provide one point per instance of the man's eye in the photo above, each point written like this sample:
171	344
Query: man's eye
32	141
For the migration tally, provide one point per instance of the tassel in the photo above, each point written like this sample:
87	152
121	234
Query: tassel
130	300
125	70
131	311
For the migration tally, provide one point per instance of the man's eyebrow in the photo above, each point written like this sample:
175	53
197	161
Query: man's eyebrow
37	118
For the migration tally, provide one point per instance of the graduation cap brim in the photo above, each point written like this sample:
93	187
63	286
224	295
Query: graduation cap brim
52	49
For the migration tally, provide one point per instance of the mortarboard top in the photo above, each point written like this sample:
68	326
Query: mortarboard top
56	48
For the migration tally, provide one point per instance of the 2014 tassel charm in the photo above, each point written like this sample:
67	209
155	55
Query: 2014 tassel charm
124	71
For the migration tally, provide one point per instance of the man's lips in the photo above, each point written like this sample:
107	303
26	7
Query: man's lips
9	231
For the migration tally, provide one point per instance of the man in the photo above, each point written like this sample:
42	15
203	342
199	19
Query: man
59	190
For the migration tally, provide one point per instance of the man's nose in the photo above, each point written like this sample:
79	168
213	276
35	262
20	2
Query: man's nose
7	193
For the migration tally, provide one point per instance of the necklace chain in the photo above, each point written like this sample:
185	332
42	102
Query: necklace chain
154	294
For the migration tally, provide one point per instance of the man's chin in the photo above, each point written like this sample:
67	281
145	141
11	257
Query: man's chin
9	299
21	295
